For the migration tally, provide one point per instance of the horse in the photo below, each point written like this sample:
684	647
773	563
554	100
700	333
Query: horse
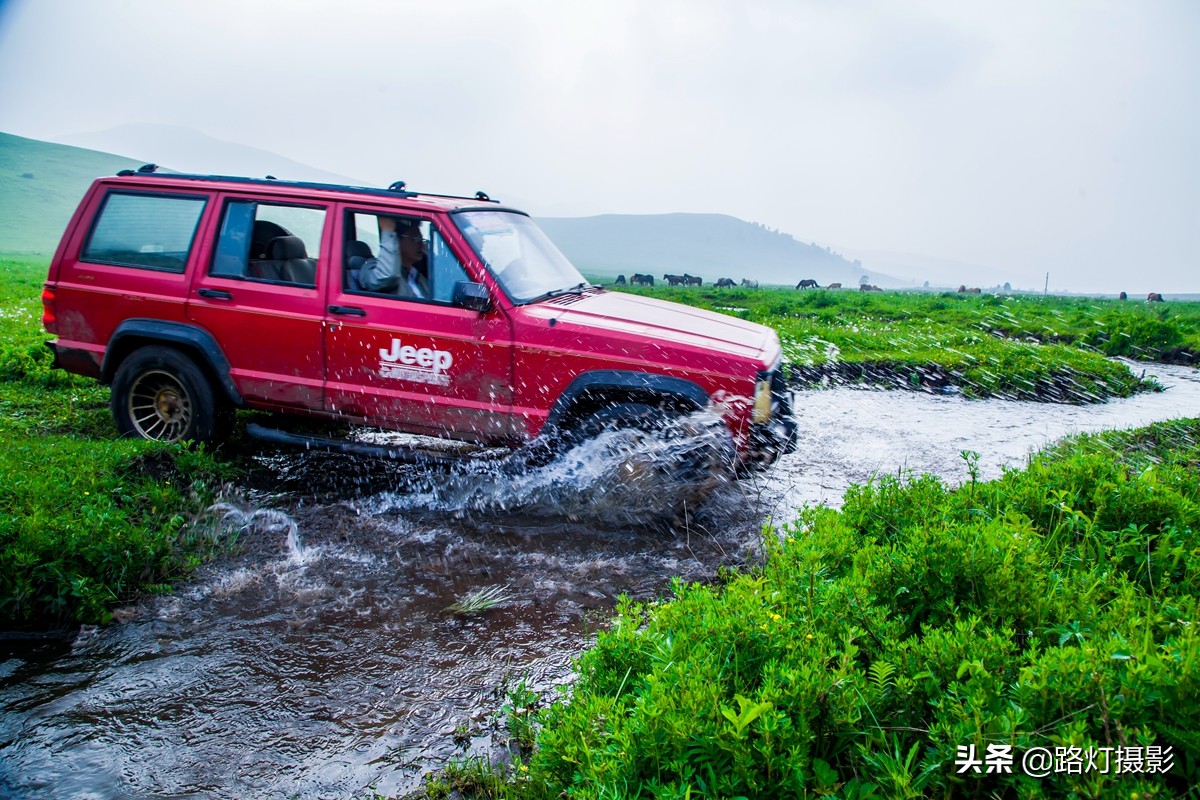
808	283
834	286
1154	297
724	283
692	280
639	279
620	280
749	284
673	280
868	287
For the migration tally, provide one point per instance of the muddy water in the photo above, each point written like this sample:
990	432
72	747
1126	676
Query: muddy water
323	661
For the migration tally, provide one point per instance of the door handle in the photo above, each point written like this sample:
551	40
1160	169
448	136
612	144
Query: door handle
352	311
215	293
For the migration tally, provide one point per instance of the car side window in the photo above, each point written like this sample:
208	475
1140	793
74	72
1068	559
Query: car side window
398	256
269	242
145	231
445	270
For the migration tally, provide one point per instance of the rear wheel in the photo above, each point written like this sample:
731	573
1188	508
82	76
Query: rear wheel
160	394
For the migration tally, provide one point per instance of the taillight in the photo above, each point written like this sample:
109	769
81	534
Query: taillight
49	318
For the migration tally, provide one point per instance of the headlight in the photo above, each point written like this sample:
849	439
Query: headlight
762	403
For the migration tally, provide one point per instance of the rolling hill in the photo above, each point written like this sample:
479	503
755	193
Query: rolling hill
41	183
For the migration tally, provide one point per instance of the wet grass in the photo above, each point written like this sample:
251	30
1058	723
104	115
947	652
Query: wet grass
1024	347
480	600
87	520
1053	607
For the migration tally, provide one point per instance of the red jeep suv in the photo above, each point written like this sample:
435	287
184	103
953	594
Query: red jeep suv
194	295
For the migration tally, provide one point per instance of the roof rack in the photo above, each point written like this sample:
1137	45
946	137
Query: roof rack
397	188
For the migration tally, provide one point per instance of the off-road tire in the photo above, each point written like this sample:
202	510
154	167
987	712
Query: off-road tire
693	464
638	416
160	394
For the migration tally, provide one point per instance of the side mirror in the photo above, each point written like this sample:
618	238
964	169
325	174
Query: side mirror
472	295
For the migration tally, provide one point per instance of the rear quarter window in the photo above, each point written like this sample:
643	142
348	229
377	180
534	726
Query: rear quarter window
145	231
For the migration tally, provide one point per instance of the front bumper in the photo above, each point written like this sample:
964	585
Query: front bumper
778	437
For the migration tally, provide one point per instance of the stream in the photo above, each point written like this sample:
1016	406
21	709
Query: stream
324	660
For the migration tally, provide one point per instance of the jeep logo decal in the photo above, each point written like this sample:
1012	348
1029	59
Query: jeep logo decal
420	365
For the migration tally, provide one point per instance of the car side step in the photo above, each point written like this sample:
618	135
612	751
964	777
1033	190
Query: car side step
406	455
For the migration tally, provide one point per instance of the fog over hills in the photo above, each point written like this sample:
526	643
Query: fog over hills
914	270
709	245
41	182
183	149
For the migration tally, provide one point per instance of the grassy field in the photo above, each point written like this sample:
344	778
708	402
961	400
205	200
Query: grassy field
1023	347
87	520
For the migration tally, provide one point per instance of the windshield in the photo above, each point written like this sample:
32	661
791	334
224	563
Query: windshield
521	257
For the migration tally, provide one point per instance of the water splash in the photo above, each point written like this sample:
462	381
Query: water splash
263	521
623	478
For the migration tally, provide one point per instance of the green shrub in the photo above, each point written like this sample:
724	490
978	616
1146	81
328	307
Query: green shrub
1052	607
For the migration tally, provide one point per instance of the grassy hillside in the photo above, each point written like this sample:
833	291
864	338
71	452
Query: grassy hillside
709	245
40	185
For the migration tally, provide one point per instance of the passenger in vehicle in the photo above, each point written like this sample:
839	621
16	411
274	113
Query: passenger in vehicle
398	267
357	254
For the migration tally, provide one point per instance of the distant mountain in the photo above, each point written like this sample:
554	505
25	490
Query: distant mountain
187	150
709	245
40	185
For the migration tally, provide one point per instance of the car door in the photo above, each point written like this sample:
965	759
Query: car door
261	297
415	363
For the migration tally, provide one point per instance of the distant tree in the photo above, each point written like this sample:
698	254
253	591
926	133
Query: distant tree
1007	286
864	279
858	263
926	284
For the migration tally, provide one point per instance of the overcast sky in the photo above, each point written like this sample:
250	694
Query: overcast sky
1023	135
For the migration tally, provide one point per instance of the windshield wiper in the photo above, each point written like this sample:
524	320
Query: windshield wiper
576	289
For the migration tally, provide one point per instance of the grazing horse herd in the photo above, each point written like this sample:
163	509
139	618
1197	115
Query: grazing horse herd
638	279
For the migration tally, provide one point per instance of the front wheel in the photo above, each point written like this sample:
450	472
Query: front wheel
689	449
636	416
160	394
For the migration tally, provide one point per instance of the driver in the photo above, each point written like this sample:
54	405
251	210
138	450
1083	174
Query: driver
401	262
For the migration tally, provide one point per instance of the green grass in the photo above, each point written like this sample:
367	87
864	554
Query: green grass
40	186
87	520
1053	607
1019	346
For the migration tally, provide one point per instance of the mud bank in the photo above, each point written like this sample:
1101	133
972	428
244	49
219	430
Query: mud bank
1062	386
